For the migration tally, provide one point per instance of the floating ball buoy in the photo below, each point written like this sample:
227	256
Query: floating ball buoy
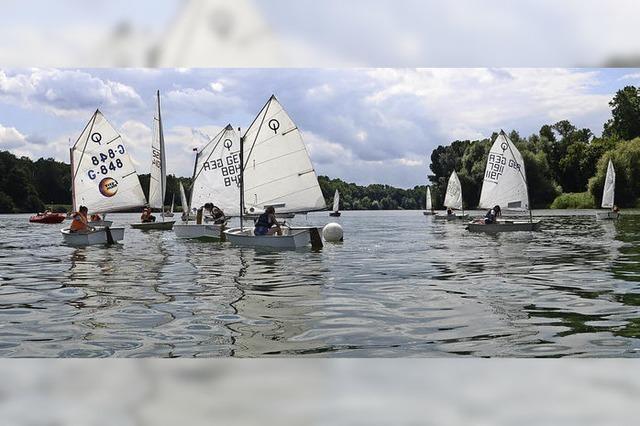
332	232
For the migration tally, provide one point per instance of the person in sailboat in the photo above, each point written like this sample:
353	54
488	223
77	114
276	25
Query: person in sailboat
95	217
214	213
492	215
267	224
450	212
80	223
146	216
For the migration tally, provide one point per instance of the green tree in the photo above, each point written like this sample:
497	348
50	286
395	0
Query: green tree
625	111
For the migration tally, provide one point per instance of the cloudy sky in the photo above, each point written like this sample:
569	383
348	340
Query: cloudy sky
362	125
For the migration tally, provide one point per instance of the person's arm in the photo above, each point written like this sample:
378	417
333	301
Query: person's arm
275	221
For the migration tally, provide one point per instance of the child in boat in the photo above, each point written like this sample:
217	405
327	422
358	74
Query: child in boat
80	222
450	212
214	213
492	215
267	224
146	216
95	217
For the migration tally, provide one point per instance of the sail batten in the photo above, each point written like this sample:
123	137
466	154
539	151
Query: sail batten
608	193
277	166
104	177
505	182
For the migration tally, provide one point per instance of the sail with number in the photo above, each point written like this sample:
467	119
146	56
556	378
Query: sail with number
336	201
505	181
104	177
217	173
609	187
277	168
158	180
429	205
453	197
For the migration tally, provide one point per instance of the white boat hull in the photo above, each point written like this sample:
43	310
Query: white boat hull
505	226
156	226
452	216
200	232
607	215
167	215
292	238
90	238
429	213
100	223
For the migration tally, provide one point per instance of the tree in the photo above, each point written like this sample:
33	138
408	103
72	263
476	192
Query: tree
625	111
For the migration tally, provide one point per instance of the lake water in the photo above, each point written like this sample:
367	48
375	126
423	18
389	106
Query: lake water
401	285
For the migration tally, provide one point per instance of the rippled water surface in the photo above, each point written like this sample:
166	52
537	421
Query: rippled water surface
401	284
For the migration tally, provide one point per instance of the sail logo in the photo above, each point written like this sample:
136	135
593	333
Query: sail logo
228	144
274	125
96	137
108	187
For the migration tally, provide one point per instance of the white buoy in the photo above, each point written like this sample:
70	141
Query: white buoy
332	232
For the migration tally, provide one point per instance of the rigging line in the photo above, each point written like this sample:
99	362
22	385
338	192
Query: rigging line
221	134
286	195
278	157
84	148
264	117
272	181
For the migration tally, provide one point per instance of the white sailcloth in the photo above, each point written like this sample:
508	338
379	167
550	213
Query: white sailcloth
158	180
217	175
278	171
183	199
104	177
429	204
609	187
453	197
336	201
173	202
505	181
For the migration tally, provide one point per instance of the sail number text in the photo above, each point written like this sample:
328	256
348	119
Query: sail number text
106	161
496	165
228	166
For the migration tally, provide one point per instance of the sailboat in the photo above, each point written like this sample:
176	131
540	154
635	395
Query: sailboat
103	179
158	180
186	213
336	205
453	199
173	204
276	171
505	185
428	204
216	180
608	195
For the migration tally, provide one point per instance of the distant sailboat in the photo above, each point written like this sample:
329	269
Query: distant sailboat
453	199
103	179
186	213
276	171
158	179
336	205
216	178
608	195
505	185
428	204
173	203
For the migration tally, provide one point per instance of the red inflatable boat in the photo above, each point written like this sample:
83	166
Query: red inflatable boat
48	217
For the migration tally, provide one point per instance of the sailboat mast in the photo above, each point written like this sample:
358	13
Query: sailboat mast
73	182
163	170
241	181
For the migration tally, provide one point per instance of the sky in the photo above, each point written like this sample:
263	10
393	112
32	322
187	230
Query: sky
363	125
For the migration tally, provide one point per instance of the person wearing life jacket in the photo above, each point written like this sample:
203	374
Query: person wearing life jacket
214	213
80	223
450	212
492	215
146	216
95	217
267	224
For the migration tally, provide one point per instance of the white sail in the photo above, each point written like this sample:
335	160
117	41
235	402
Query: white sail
453	197
217	175
183	199
429	204
173	202
609	187
336	201
158	179
505	180
104	177
278	171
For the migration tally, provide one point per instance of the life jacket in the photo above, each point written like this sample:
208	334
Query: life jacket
264	220
491	216
79	222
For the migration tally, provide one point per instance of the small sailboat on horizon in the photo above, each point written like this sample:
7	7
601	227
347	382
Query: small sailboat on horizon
173	205
104	180
336	205
608	195
504	185
428	204
158	178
